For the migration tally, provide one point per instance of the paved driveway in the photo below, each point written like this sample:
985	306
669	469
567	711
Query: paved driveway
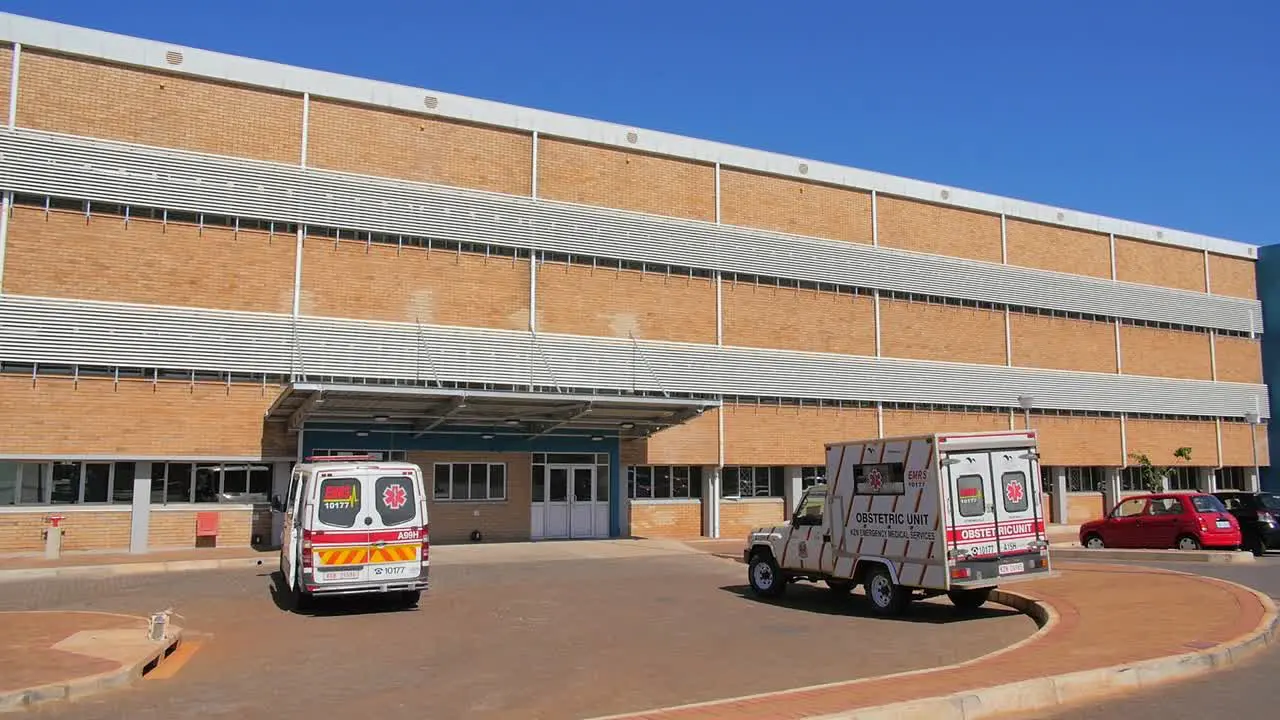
545	639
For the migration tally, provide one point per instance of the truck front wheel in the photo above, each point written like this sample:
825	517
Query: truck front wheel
887	598
765	577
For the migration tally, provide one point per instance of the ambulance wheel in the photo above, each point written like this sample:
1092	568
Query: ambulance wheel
410	598
302	600
765	577
969	600
887	598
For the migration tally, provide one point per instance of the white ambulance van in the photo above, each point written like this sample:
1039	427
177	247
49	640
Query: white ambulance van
353	525
913	517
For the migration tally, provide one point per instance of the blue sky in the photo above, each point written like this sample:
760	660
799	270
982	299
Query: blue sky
1160	112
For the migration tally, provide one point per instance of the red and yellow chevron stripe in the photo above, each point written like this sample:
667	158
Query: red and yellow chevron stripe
343	556
395	553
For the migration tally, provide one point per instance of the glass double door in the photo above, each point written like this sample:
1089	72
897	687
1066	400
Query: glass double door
568	504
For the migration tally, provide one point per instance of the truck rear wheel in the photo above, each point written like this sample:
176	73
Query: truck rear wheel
887	598
969	600
765	576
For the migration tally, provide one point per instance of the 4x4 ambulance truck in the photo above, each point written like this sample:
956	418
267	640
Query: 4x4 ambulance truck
913	517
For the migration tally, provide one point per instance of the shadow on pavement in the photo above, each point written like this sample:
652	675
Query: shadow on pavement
336	606
822	600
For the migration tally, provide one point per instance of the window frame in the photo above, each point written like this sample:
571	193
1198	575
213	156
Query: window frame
471	482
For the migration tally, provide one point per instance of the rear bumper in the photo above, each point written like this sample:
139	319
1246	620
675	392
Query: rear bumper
1221	540
418	583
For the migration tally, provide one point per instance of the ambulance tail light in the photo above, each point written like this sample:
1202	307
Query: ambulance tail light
306	549
426	543
960	573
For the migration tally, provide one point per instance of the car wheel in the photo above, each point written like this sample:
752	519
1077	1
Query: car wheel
1094	542
1256	546
886	597
1188	542
765	576
969	600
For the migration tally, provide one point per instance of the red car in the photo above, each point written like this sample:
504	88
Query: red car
1187	521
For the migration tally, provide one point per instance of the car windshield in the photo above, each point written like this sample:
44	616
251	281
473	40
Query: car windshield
1208	504
1270	501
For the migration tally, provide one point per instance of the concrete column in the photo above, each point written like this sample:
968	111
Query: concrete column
1110	489
1206	480
793	476
1058	493
280	476
1252	483
624	499
141	526
711	501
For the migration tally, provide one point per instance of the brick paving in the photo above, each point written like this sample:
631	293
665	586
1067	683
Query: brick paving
26	646
1105	618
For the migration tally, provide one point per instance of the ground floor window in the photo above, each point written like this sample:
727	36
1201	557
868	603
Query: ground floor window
812	475
1176	478
1085	479
23	483
177	483
1229	478
751	481
664	482
75	482
469	481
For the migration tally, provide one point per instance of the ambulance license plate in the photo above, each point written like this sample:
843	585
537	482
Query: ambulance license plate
1010	568
341	575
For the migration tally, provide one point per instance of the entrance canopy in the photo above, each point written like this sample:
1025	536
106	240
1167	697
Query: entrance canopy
530	414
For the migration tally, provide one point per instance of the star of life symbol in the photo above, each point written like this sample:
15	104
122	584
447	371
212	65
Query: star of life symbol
875	479
394	497
1013	490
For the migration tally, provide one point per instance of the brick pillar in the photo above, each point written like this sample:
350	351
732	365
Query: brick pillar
1206	480
1058	494
711	501
1110	489
141	516
792	477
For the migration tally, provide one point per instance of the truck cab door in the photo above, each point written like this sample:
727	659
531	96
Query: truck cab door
807	541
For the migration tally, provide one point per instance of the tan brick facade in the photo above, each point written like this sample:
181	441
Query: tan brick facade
170	529
795	319
1077	440
918	422
1056	248
927	228
739	517
1165	353
97	99
781	204
624	303
1237	449
1059	343
1158	439
138	419
6	72
666	519
1083	507
595	175
1162	265
1238	359
23	532
413	146
147	261
695	442
926	331
1232	276
441	287
790	435
507	520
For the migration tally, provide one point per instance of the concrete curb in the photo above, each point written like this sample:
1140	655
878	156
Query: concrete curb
81	687
1145	555
1082	686
140	568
